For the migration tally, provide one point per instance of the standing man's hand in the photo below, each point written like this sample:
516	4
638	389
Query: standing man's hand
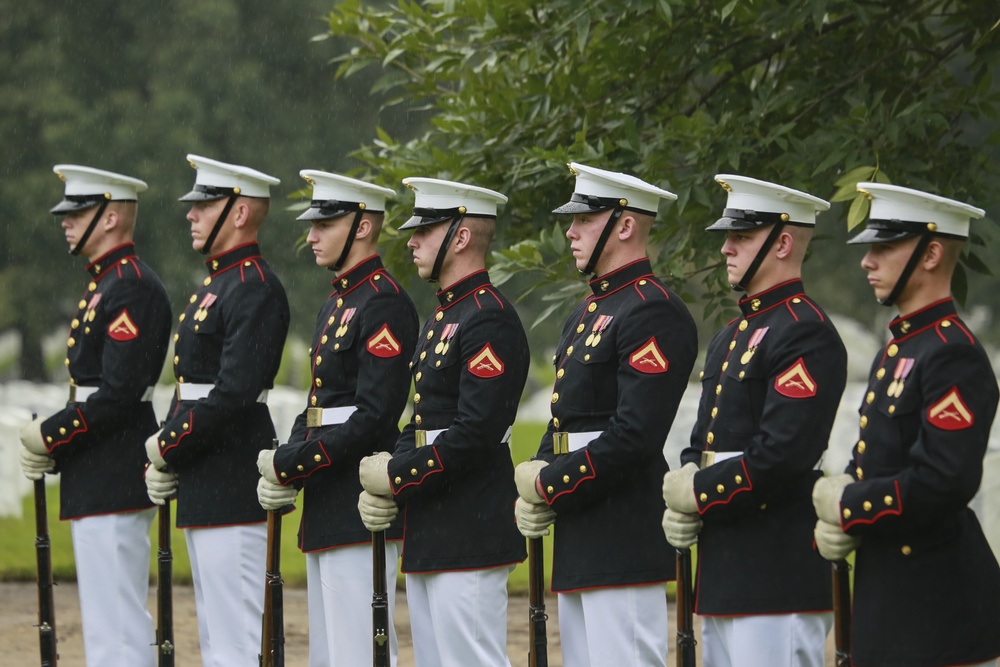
153	451
678	489
526	480
826	496
374	474
31	437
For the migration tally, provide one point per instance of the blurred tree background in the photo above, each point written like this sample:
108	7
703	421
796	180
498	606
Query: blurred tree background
501	93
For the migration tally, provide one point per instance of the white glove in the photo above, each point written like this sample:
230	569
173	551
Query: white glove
275	496
161	485
678	489
681	529
533	519
265	464
377	512
832	542
525	475
34	465
827	493
31	437
374	474
153	451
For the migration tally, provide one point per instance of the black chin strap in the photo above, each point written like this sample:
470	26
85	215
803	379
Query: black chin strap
205	249
443	250
349	242
603	239
78	248
911	264
751	271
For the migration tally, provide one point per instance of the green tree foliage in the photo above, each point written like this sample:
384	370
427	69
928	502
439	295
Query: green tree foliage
815	95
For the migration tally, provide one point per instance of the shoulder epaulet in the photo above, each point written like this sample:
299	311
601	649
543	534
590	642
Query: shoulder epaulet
251	271
803	308
953	330
487	296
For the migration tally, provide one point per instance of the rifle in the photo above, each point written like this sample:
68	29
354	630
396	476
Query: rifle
842	612
685	611
272	636
537	651
46	603
380	602
164	591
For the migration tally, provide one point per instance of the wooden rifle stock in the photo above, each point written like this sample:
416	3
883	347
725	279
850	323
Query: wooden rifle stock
842	612
537	651
380	603
46	603
685	611
164	591
272	637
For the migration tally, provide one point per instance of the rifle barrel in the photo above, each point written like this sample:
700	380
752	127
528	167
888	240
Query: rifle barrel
842	612
43	558
165	591
685	611
380	602
537	640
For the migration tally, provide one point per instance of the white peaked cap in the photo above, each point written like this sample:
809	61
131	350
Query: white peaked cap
893	203
435	195
751	194
611	185
334	195
89	182
213	174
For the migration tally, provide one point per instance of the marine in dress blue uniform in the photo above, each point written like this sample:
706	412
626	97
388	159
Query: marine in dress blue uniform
451	471
926	585
227	349
622	364
365	335
771	385
115	350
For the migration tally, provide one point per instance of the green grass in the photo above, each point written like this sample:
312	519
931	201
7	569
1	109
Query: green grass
17	536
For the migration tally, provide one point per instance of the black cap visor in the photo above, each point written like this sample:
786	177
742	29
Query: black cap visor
432	216
74	203
579	203
207	193
327	209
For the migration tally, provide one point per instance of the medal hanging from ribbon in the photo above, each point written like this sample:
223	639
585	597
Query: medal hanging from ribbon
600	324
755	340
345	319
206	303
446	335
903	368
92	308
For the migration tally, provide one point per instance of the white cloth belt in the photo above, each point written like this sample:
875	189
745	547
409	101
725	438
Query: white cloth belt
565	443
81	394
316	417
192	391
710	458
424	438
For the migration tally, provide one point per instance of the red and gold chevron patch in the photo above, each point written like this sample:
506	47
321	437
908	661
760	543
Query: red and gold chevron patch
648	358
486	364
796	382
384	344
122	328
951	413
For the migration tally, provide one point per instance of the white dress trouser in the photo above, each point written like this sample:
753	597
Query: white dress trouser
624	627
459	619
112	573
228	569
773	640
340	605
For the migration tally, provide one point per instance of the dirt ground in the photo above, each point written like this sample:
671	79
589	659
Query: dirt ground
19	636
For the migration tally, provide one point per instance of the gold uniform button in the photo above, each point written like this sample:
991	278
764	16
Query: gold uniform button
864	421
413	472
946	324
177	359
437	364
906	550
324	339
173	434
586	357
92	286
893	350
892	409
738	479
867	505
66	362
549	489
703	497
742	373
336	346
181	318
796	300
642	282
592	307
330	321
377	277
553	358
870	397
185	426
176	337
732	344
555	397
319	359
74	324
82	304
569	350
284	475
725	365
430	334
300	467
317	458
398	480
715	411
439	316
418	376
49	439
743	325
562	371
580	328
861	446
319	382
181	379
423	355
312	401
583	469
194	297
246	263
86	330
208	281
418	420
718	389
555	422
71	342
720	488
416	398
888	501
76	423
711	438
859	472
847	514
701	375
565	479
482	291
62	431
879	374
340	302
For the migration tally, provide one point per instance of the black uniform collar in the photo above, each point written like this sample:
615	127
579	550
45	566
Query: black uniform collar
454	293
357	274
620	277
769	298
228	260
904	326
99	266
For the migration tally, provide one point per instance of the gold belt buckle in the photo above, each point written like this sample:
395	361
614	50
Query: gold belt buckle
177	391
560	442
72	393
707	459
420	438
314	417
